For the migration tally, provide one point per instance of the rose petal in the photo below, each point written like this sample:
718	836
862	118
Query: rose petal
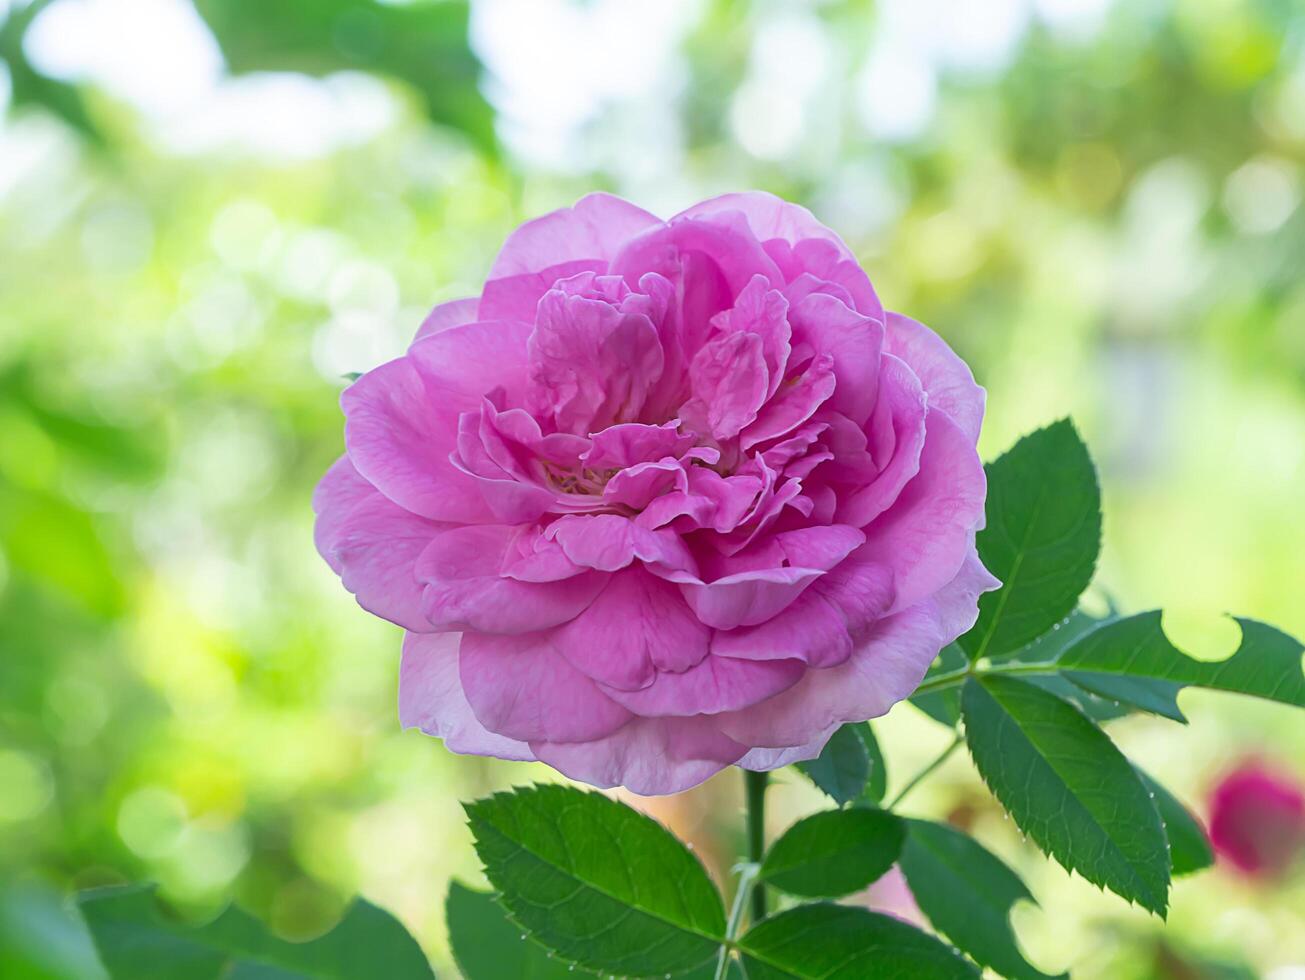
454	313
925	536
595	227
373	544
716	684
946	378
522	688
431	698
650	756
638	625
465	589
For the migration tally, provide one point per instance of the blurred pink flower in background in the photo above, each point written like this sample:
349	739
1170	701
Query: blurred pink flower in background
1257	819
668	496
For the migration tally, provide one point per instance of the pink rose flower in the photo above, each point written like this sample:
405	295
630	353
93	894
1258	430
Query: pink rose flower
1257	820
668	496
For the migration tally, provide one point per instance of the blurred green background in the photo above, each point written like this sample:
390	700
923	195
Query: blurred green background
210	212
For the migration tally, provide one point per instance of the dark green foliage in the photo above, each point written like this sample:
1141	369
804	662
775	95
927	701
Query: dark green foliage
488	946
1189	847
1267	664
967	894
850	766
136	942
839	942
597	882
834	853
1067	787
1042	538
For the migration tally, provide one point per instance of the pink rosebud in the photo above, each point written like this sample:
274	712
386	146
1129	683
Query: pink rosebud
1257	820
667	496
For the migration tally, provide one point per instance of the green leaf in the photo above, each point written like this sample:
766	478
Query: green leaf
1067	787
840	942
598	883
1042	537
1189	847
967	894
834	853
842	768
877	784
422	44
1097	708
487	946
943	706
1267	663
1147	694
136	943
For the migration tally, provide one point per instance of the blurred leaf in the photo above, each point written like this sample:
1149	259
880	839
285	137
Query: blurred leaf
1189	847
834	853
597	882
1267	663
1042	537
423	44
1067	787
60	546
42	939
28	86
488	946
819	941
135	941
967	894
842	767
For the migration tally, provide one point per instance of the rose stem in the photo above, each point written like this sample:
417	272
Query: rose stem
755	786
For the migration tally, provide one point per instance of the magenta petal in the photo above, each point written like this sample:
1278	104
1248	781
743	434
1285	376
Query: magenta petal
853	343
623	445
896	434
649	756
637	625
760	589
517	297
595	227
465	589
885	668
729	382
946	378
431	698
769	217
400	442
925	536
812	630
765	760
463	364
451	314
609	542
762	311
794	404
523	689
591	362
716	684
373	544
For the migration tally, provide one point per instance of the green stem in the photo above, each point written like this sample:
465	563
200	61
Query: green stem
747	879
955	678
926	771
755	789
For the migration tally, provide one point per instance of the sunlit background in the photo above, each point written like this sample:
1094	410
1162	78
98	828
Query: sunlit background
211	212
